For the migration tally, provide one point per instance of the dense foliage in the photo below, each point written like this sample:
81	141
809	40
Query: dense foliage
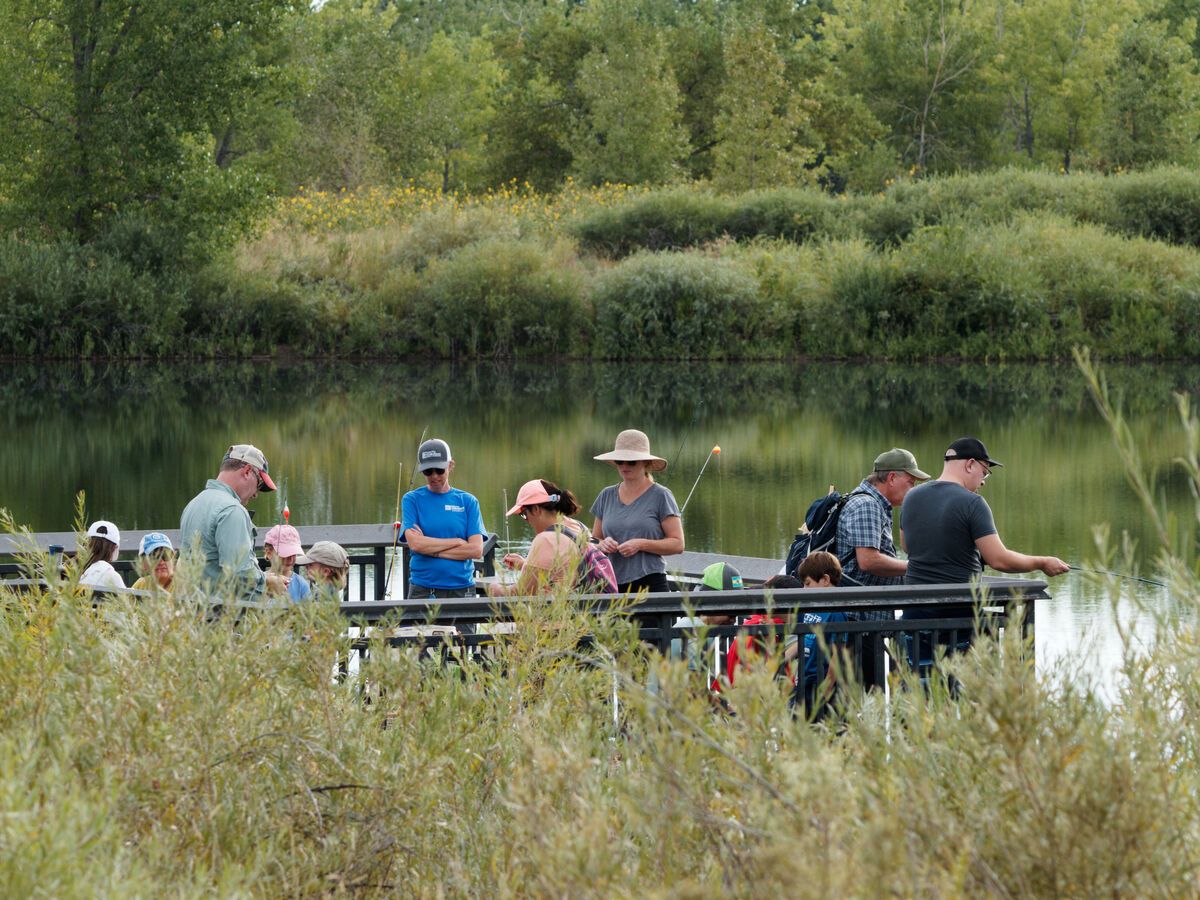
1005	266
148	145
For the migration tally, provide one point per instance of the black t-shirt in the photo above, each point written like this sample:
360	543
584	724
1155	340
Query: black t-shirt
941	522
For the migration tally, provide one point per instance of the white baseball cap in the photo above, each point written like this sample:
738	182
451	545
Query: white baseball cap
102	528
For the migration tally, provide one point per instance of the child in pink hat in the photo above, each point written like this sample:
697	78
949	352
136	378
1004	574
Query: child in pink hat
281	546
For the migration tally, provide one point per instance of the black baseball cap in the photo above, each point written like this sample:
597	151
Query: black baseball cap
970	448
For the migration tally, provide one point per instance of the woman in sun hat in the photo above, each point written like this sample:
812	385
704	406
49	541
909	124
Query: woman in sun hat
555	552
637	521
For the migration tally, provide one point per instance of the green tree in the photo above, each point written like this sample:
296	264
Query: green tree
111	107
434	118
917	63
630	129
343	58
1048	66
1152	96
538	99
761	126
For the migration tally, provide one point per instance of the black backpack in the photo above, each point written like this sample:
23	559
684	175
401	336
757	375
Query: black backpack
819	530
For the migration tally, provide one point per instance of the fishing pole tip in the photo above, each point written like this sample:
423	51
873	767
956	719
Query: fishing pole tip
717	449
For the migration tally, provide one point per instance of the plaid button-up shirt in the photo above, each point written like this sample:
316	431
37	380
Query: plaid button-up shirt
866	521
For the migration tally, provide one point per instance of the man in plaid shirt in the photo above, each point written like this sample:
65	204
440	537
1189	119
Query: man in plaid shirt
864	543
864	534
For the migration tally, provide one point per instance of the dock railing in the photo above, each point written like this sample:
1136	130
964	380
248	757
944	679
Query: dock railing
664	620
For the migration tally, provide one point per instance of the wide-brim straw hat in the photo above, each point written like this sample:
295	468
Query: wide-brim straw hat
632	444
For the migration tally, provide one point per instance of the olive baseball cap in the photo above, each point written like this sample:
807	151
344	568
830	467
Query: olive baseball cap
899	460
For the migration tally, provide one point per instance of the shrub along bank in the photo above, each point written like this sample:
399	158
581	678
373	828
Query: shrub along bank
1004	266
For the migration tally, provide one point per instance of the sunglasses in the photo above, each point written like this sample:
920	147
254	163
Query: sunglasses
160	554
429	472
628	462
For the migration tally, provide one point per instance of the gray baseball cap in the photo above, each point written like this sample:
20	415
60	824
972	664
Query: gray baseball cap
433	454
327	553
899	460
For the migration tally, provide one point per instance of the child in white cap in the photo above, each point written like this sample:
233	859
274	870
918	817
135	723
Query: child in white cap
104	543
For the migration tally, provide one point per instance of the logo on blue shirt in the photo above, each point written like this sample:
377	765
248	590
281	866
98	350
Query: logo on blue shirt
450	507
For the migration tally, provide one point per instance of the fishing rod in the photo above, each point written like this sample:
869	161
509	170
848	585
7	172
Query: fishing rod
1152	581
507	543
424	431
715	451
396	522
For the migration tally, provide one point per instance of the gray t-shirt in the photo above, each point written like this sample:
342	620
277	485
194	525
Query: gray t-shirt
642	518
942	521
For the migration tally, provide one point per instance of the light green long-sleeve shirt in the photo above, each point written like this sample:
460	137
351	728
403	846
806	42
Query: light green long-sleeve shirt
226	538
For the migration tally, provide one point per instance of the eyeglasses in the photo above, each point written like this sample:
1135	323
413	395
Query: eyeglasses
262	485
524	513
987	470
160	554
627	462
429	472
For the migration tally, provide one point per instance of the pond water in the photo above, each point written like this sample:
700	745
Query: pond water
141	439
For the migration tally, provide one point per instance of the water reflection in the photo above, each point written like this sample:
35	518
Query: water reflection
141	439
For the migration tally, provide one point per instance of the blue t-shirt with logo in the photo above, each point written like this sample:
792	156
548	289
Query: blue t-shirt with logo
454	514
816	664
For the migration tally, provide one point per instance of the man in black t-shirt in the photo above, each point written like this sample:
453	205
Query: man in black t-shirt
949	532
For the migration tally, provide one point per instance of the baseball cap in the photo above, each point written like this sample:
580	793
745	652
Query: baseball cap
532	493
154	540
250	454
102	528
433	454
285	539
899	460
970	448
720	576
327	553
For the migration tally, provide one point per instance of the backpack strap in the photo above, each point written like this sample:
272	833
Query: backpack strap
845	557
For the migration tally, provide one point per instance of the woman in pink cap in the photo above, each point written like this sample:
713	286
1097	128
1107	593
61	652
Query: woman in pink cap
555	552
638	520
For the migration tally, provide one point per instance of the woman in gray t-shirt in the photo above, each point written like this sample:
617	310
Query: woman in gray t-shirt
637	521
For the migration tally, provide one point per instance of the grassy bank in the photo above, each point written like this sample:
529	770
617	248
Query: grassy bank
1010	265
145	750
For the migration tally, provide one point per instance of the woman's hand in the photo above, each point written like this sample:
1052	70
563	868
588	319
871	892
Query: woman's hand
513	561
631	546
608	545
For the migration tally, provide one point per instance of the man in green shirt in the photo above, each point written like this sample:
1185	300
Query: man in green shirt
217	522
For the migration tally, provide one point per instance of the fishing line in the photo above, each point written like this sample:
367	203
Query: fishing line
715	451
1152	581
687	432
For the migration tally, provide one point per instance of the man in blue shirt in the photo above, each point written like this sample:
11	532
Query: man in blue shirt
443	528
